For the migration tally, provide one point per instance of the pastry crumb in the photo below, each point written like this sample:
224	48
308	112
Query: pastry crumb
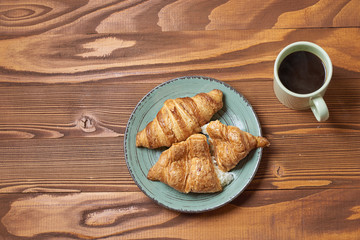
203	129
225	177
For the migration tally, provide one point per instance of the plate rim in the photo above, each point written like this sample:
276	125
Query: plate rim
249	180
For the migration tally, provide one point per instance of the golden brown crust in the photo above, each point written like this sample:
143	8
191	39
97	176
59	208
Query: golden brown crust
187	167
180	118
231	145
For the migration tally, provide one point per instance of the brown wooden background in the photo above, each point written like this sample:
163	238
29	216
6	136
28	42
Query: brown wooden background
71	73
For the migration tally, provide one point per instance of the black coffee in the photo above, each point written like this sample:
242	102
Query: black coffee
302	72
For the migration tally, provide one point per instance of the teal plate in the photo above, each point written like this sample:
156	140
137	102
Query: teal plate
237	111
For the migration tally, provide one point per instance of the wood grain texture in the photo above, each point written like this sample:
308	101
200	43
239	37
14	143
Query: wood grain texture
305	214
67	109
71	73
226	54
66	17
74	110
99	165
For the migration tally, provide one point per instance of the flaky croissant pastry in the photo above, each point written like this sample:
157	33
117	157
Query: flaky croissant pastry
230	144
187	167
180	118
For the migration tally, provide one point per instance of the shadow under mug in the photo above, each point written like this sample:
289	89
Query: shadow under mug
313	100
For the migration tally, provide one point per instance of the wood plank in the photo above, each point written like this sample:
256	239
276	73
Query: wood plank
98	164
229	55
132	215
68	17
102	109
71	166
283	14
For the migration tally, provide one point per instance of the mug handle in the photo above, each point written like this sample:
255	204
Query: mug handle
319	108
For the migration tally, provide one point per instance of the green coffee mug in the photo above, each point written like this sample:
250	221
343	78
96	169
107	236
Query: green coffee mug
313	100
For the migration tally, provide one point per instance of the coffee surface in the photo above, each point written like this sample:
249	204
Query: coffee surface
302	72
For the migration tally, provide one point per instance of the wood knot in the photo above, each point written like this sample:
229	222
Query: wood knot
87	124
279	171
22	12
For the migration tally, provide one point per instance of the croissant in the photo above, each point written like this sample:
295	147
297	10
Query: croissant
187	167
230	144
180	118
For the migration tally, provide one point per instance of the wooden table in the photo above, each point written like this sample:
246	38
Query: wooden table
71	73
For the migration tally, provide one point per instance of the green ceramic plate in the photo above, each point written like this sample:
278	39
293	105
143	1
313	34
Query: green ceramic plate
237	111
